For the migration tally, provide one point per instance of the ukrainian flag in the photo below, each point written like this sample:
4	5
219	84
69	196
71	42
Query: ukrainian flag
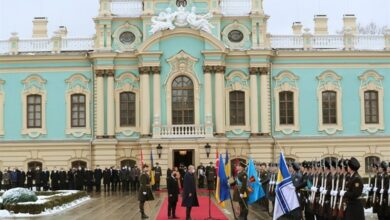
286	199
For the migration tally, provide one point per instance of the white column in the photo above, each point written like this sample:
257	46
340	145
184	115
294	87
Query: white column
110	105
156	93
265	101
207	91
253	101
144	100
219	100
99	103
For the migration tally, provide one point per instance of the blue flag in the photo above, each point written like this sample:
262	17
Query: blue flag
224	190
254	183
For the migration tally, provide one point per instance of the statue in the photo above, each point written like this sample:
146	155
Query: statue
199	22
164	21
181	17
181	3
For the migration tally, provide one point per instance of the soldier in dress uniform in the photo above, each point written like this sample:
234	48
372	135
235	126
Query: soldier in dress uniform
307	182
264	178
201	175
354	209
173	193
380	189
241	192
157	176
145	191
273	168
211	176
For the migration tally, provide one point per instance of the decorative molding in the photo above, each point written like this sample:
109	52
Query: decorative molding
127	28
371	81
237	81
182	64
286	81
2	94
77	84
236	26
34	85
330	81
127	82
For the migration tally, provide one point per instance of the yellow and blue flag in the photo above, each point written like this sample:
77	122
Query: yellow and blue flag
227	164
254	183
152	181
223	189
286	199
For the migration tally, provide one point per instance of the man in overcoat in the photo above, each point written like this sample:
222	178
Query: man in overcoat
190	199
145	191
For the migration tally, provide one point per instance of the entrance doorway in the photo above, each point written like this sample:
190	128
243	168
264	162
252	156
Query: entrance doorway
185	157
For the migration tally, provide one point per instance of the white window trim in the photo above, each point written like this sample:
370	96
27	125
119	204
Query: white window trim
1	108
235	26
182	64
243	86
78	89
34	89
324	84
123	28
284	86
127	82
366	85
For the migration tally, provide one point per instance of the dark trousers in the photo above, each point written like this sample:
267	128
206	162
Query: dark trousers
98	185
172	208
107	187
157	185
141	206
243	210
188	213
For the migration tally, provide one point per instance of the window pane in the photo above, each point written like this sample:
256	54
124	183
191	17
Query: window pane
182	101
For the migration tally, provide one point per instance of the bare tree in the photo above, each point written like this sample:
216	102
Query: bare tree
369	29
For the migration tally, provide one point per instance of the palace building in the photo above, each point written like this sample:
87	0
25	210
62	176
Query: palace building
184	79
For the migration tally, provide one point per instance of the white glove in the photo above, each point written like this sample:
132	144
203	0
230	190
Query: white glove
241	195
388	191
342	192
375	189
321	189
333	193
144	193
324	191
313	189
381	191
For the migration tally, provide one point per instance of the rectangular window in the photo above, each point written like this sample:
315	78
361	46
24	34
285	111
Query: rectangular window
371	107
237	107
78	110
34	111
286	108
329	107
127	109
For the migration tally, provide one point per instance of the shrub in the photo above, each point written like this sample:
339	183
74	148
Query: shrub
17	195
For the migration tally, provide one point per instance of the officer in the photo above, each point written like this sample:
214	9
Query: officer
201	175
354	209
210	176
264	180
145	192
157	176
240	191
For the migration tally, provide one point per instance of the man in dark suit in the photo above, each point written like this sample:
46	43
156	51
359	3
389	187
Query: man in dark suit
190	199
106	179
173	193
45	179
55	179
97	174
157	176
38	178
63	185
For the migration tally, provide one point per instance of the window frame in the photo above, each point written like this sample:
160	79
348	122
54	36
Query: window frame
327	118
183	110
237	104
78	111
130	107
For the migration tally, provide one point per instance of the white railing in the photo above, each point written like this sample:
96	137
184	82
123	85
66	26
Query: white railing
126	8
369	42
4	46
328	41
34	45
182	131
236	7
75	44
287	41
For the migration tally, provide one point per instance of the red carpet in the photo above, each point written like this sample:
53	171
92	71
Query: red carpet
197	213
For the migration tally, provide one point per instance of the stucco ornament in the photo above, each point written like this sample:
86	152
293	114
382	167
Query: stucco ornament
168	20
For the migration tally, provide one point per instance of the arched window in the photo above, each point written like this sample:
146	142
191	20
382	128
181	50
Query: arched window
233	164
182	100
34	164
128	163
237	107
34	111
369	161
286	108
371	108
79	163
78	110
329	107
127	109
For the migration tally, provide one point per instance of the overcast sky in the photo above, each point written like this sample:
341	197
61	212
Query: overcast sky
76	15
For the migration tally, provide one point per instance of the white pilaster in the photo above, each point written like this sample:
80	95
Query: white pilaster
144	100
110	105
99	103
219	99
265	101
156	93
253	102
207	91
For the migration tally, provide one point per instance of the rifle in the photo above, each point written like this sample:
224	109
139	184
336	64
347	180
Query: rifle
322	195
368	203
313	194
333	203
341	208
388	195
382	188
374	191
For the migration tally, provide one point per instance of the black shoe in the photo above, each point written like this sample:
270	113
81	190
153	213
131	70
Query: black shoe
143	216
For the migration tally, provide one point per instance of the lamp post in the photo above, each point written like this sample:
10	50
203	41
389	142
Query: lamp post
159	150
207	147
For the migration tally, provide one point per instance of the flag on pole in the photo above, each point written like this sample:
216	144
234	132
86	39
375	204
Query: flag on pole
254	183
286	199
223	189
151	169
227	164
142	159
217	164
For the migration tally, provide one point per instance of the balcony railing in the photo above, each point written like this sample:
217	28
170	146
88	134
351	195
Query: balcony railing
126	8
236	7
182	131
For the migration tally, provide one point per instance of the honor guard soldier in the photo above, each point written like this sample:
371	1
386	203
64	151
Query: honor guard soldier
380	189
157	176
201	170
264	178
145	191
241	192
211	176
354	189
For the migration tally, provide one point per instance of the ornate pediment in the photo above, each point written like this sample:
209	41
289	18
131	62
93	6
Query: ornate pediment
182	63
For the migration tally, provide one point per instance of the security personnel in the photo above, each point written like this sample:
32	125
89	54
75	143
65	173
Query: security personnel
210	176
354	209
264	180
145	192
157	176
173	193
201	175
241	192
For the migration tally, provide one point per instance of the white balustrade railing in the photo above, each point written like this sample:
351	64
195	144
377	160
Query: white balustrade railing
236	7
76	44
182	131
126	8
287	41
4	46
328	41
369	42
34	45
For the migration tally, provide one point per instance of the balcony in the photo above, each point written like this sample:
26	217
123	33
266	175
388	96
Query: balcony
236	7
126	8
